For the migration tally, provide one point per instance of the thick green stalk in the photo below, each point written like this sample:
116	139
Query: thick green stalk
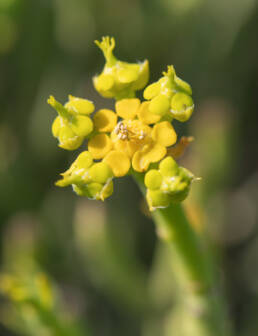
200	303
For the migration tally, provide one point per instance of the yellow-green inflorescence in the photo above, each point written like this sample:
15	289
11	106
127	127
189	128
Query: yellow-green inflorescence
170	97
137	136
169	183
119	79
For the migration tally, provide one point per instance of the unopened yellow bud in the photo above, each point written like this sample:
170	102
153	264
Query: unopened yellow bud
78	172
153	179
119	79
170	97
94	190
159	105
152	91
100	172
68	139
169	184
84	160
128	73
104	84
81	125
72	126
79	105
168	167
182	106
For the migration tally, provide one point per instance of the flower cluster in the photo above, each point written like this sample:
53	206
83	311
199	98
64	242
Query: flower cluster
169	183
136	137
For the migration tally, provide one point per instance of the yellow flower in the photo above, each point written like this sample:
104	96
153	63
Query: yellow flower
168	184
170	97
72	125
88	178
136	137
131	140
119	79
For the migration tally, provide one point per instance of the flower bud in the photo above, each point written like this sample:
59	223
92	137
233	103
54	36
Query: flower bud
170	97
159	105
168	184
94	190
100	172
168	167
67	137
153	179
119	79
79	106
78	172
182	106
81	125
72	125
93	180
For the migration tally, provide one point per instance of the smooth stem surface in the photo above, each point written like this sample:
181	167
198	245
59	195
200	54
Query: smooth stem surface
201	307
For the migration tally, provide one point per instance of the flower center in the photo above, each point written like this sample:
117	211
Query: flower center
128	132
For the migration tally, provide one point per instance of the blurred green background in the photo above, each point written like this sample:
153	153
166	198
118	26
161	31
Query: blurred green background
70	266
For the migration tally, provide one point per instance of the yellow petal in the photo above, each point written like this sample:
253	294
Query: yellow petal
146	116
105	120
118	162
127	108
132	147
164	134
119	145
150	153
99	145
128	147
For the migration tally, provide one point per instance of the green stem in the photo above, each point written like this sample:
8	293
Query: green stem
201	303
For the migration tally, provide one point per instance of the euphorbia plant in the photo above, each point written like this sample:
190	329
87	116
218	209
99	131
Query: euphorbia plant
137	138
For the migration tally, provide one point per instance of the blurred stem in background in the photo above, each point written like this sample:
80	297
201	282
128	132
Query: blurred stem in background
200	301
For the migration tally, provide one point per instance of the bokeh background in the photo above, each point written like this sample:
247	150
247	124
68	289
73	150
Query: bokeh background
75	267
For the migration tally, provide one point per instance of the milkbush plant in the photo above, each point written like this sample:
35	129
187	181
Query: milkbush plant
137	137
